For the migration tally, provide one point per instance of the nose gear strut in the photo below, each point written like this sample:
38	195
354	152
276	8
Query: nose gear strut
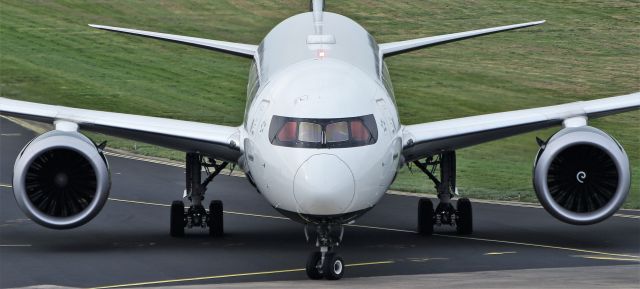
445	213
326	263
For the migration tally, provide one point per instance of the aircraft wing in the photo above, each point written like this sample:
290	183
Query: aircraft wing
239	49
214	140
394	48
421	140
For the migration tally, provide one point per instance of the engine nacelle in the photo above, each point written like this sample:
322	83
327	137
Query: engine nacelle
61	180
582	175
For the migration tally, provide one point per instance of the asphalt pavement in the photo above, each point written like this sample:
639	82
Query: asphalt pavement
128	243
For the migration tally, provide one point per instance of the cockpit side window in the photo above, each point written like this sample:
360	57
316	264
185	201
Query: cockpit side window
359	131
323	133
386	79
253	85
288	132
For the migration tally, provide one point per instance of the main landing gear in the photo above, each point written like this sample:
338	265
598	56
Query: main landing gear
196	215
326	263
445	213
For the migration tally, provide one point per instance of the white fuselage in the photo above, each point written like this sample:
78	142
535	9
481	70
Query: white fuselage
329	81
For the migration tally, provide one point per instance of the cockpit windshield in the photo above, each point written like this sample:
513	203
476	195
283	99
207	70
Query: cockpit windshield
323	133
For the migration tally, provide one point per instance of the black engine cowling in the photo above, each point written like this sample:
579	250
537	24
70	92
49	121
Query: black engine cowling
61	180
581	175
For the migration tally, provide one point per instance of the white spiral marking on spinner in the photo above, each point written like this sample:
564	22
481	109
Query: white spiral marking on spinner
581	176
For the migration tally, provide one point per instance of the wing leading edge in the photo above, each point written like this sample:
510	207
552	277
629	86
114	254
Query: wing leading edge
393	48
239	49
214	140
421	140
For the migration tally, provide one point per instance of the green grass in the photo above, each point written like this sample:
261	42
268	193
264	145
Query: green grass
586	50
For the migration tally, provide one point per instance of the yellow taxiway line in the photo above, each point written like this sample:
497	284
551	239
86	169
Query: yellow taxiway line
537	245
230	276
227	212
610	258
138	202
143	159
406	231
599	254
627	216
505	203
167	163
410	231
391	192
499	253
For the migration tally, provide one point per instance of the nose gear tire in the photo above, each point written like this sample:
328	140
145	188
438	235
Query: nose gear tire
313	270
333	266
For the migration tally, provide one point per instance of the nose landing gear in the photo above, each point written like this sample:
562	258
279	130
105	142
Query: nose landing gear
445	213
196	215
326	263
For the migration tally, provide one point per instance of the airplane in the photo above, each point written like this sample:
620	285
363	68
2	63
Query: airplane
321	140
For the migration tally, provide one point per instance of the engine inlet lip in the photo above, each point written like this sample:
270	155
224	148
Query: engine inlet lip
77	143
587	136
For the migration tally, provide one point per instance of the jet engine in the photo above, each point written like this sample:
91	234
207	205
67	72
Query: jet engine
61	179
581	175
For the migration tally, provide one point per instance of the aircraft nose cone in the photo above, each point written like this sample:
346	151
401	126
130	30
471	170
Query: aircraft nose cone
324	185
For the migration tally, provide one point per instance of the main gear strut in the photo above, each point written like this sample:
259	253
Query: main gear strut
445	213
196	215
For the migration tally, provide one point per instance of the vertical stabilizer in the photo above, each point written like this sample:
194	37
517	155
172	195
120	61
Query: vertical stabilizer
317	7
